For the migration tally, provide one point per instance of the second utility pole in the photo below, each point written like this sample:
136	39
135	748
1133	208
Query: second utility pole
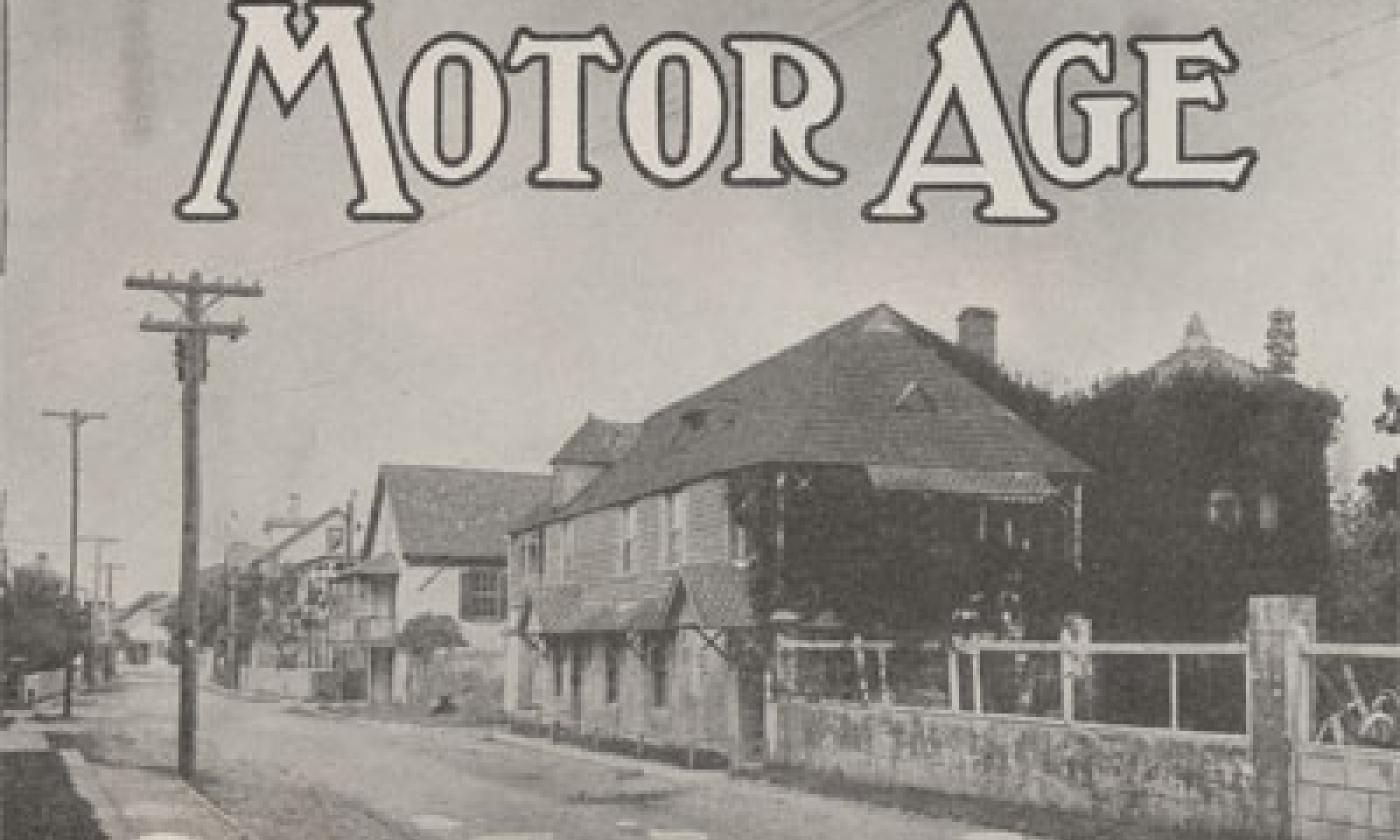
194	296
75	419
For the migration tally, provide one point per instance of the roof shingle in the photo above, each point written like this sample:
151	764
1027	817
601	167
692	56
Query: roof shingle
834	398
455	511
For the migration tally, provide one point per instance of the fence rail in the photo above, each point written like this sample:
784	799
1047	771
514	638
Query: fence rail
1074	659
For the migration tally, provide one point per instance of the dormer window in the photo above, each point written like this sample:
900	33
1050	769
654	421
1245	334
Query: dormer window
915	398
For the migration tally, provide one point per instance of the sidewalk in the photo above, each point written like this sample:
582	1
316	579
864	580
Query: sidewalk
128	802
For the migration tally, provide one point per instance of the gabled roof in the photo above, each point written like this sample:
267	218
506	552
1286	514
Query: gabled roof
447	512
597	442
834	398
158	601
240	554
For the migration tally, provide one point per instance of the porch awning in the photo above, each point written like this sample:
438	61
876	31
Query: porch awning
381	565
1025	487
555	609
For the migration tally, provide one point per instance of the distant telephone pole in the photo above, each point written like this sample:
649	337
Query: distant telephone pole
193	296
90	662
75	420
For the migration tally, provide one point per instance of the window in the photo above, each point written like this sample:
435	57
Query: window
1223	508
557	659
661	671
627	560
612	664
534	555
1268	512
673	527
483	595
566	548
741	547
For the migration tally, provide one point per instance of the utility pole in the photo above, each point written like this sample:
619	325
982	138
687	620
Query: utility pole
193	296
4	603
231	635
110	614
75	420
95	633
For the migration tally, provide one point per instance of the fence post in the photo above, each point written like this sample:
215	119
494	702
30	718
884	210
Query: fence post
1280	692
1082	697
862	684
1068	661
977	678
954	678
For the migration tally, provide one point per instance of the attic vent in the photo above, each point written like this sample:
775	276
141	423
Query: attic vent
693	420
883	320
915	398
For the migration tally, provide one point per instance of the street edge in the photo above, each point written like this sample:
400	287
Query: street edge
91	789
222	815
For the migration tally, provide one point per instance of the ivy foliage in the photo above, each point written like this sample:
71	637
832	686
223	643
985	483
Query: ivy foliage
41	623
887	564
1159	565
1155	566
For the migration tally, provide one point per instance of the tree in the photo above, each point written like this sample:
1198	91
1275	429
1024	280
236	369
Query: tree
427	632
42	624
423	635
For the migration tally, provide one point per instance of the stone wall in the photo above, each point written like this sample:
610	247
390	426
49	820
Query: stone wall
1187	781
43	685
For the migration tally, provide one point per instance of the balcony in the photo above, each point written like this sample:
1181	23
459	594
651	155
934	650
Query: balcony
369	628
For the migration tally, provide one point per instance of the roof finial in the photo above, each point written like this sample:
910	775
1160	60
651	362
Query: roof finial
1196	336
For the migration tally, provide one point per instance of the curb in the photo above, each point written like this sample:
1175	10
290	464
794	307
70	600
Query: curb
90	788
86	784
619	762
220	814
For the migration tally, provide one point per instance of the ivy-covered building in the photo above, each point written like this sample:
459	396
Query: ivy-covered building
862	480
1210	486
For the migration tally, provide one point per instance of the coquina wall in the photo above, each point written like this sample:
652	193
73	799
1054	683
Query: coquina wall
1191	781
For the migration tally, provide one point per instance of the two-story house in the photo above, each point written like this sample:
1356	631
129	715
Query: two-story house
435	544
855	479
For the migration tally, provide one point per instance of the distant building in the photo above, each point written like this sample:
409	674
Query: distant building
436	543
140	629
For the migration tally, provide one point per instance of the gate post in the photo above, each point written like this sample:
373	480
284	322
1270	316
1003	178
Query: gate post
1279	702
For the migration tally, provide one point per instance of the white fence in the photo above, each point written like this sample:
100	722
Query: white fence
1060	673
1349	708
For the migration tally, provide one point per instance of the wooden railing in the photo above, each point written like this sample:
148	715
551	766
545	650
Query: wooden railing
361	628
1074	662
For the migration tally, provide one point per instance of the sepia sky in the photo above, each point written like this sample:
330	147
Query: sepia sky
484	333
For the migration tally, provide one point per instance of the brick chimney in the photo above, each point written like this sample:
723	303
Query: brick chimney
977	332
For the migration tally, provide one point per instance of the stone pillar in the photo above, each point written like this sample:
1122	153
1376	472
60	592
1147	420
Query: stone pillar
1079	630
1280	685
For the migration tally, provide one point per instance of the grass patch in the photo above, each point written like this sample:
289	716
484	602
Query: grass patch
37	800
